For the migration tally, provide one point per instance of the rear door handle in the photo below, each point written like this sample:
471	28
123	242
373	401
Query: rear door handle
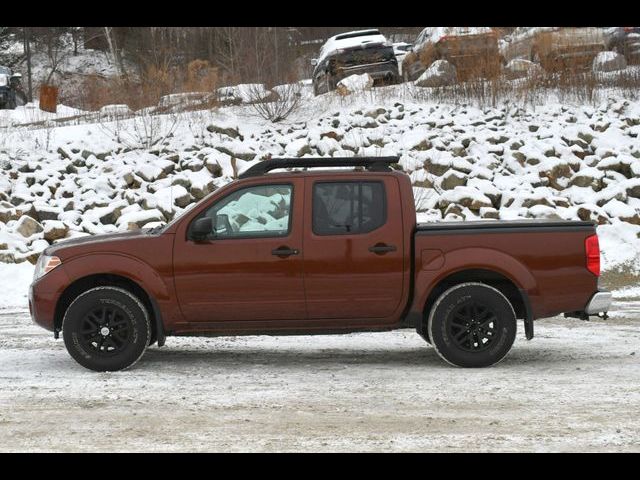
380	248
284	251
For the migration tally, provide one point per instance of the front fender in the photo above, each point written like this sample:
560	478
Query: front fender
119	264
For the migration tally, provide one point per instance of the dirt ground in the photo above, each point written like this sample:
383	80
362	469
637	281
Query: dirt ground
574	387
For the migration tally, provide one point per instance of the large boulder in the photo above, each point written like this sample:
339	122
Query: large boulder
609	62
453	179
439	74
54	230
27	226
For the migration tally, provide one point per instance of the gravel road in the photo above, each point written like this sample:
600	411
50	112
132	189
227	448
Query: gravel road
575	387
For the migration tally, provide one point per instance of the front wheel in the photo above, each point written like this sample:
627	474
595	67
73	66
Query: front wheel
472	325
106	329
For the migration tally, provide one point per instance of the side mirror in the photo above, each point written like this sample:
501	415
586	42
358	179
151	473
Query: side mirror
314	61
201	229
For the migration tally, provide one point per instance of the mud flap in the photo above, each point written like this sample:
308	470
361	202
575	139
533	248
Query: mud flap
528	315
160	334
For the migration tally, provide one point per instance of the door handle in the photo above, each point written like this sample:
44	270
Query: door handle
380	248
284	251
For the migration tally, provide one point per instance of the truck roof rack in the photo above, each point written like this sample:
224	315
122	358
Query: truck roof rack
373	164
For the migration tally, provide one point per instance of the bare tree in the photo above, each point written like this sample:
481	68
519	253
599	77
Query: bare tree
288	99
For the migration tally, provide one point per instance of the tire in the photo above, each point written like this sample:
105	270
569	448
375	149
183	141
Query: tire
21	99
106	329
473	304
11	103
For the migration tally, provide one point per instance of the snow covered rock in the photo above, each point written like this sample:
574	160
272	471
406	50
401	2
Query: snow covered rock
439	74
54	230
609	62
588	177
237	149
136	220
520	68
453	179
149	172
27	226
354	83
229	131
119	110
46	212
469	197
298	148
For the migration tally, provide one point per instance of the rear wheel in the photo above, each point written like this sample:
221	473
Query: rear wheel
106	329
472	325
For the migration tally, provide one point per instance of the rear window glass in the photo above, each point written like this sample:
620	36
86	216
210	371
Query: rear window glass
345	208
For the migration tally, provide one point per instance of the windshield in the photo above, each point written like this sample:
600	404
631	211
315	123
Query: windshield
5	70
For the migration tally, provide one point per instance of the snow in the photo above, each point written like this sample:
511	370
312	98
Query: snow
15	278
377	392
356	83
435	34
244	93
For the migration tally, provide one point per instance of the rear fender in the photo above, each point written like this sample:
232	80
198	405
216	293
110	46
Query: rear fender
472	259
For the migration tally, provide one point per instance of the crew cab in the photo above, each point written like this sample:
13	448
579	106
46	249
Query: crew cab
315	252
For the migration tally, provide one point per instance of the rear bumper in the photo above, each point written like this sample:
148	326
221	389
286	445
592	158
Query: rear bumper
377	71
599	303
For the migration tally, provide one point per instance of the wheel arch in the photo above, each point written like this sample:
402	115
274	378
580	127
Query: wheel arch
516	295
88	282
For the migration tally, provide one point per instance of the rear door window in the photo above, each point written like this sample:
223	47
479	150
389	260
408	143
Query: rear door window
347	208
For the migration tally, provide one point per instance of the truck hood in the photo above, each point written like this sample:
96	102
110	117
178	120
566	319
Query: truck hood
61	247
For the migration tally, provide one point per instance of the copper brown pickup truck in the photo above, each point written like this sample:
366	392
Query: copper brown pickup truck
315	252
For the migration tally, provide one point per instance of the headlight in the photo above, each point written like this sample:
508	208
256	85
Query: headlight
45	264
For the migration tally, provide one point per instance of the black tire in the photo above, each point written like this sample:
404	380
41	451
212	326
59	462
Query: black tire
472	325
11	103
106	329
21	99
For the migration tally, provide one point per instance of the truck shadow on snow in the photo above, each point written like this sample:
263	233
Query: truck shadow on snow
291	357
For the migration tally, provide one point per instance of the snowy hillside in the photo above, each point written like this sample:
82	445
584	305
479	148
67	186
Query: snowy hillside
552	161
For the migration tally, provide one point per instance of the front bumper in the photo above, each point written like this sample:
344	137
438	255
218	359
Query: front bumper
599	303
44	294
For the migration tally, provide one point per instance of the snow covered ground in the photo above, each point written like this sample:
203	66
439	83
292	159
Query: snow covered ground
572	388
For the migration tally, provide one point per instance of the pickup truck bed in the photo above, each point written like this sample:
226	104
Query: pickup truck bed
316	252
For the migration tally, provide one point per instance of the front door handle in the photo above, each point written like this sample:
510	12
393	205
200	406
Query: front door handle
381	248
284	252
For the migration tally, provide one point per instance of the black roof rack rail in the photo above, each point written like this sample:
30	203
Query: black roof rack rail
374	164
